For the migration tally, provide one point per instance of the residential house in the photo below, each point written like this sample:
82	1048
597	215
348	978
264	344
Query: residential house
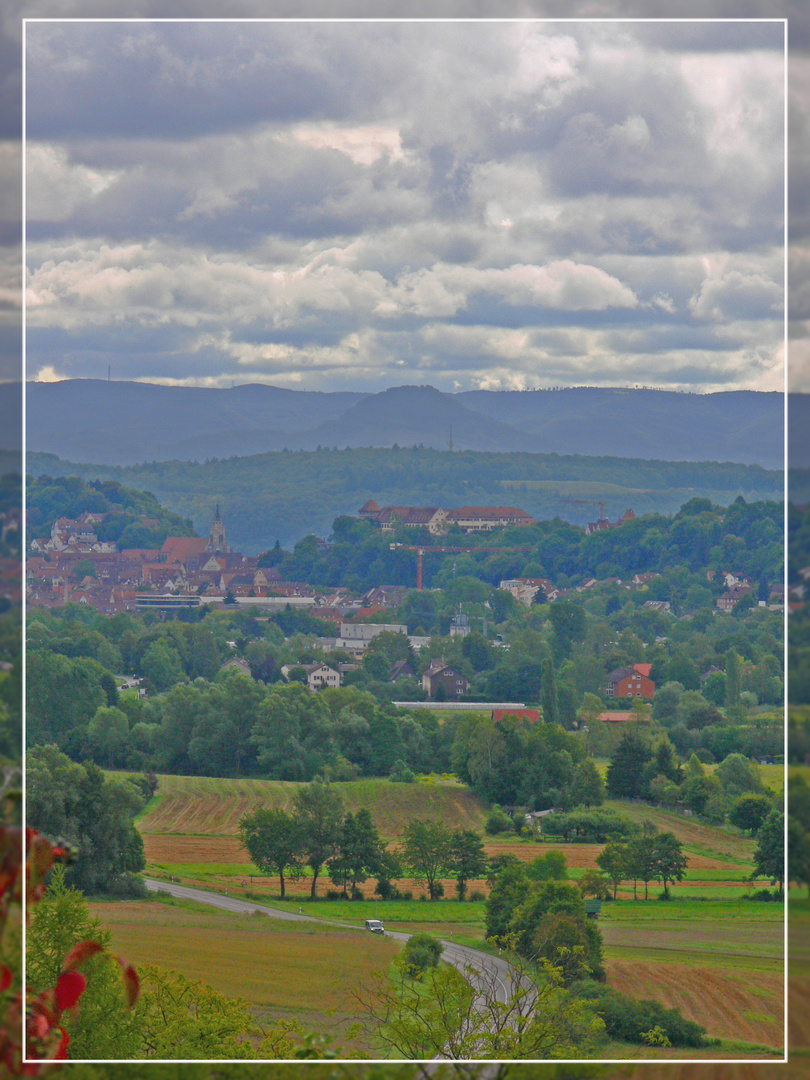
400	669
237	663
731	597
631	682
318	675
440	674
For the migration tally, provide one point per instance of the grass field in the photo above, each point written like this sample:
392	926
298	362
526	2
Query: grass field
284	970
190	805
708	951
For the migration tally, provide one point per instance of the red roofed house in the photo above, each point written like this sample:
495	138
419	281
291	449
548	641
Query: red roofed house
178	549
622	718
532	715
631	682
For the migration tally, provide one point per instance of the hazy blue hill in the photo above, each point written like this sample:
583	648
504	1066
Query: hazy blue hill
10	416
742	426
124	422
420	415
799	431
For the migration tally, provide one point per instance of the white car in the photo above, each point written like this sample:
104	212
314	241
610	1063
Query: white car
375	926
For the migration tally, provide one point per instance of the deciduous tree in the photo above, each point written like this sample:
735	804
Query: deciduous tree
319	811
426	849
273	839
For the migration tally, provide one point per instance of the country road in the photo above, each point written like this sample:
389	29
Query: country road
494	969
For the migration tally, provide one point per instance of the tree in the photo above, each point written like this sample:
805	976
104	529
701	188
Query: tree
161	666
108	732
626	769
426	849
670	862
737	775
595	884
769	854
460	1015
733	678
568	621
550	700
293	733
61	696
467	858
102	1026
641	864
273	839
588	788
549	922
798	852
319	811
613	860
749	812
92	813
360	853
84	568
187	1019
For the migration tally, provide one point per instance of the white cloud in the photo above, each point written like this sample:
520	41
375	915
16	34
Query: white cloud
48	373
56	187
728	292
364	145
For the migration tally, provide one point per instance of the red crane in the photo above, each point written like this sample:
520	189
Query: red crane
421	549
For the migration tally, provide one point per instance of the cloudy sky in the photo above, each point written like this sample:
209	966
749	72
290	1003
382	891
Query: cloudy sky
355	205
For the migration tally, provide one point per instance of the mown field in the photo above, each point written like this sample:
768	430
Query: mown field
711	953
292	971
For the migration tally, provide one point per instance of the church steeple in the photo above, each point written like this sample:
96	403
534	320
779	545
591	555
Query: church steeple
216	536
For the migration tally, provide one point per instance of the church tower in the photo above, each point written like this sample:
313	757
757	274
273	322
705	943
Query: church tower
217	544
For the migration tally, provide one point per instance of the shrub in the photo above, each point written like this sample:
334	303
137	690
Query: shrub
627	1019
400	773
476	896
422	951
763	895
498	822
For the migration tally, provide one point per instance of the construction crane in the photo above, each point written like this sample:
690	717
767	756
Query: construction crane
423	549
589	502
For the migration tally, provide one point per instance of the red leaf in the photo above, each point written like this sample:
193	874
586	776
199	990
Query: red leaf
132	984
69	988
61	1050
79	954
5	977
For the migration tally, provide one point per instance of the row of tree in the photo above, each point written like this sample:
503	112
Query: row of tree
318	832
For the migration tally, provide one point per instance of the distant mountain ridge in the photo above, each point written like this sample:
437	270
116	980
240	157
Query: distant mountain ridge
124	423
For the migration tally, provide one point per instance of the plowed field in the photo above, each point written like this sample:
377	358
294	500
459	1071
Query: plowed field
750	1009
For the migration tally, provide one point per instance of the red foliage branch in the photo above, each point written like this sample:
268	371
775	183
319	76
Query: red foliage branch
28	1020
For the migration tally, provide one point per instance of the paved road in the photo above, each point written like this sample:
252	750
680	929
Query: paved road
490	968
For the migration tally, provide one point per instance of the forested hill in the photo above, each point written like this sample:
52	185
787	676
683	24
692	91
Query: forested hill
125	422
288	495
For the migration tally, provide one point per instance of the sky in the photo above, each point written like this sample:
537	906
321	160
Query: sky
357	205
